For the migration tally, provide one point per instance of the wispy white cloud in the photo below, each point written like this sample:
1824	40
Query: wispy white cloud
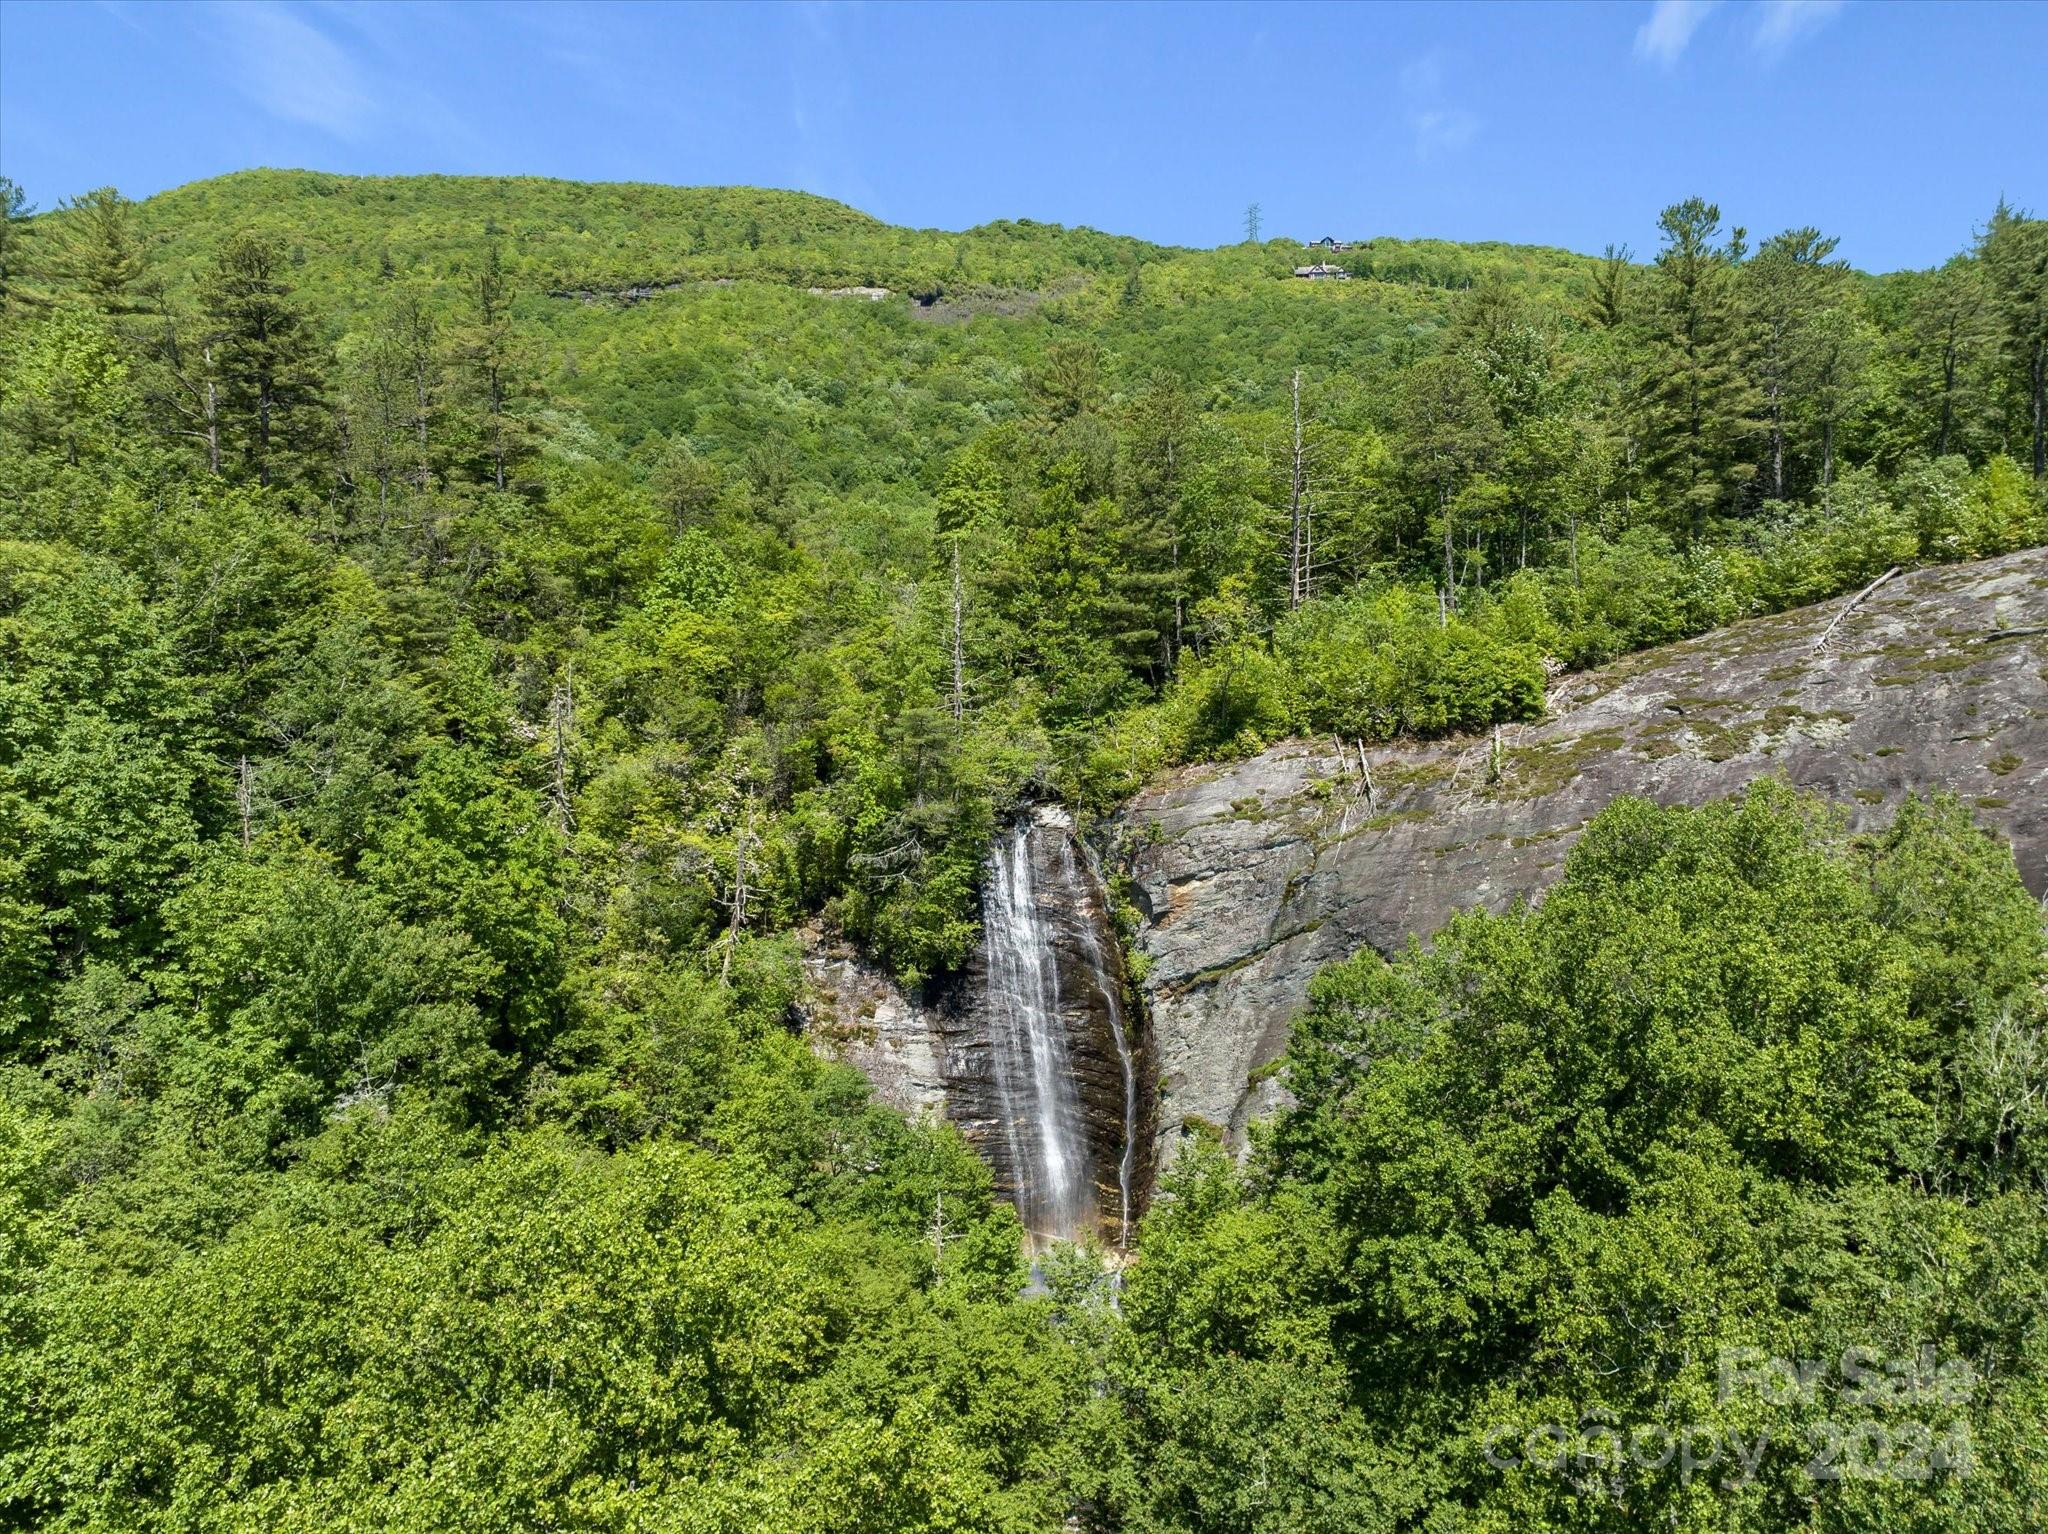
1672	23
1440	125
294	71
1784	22
1443	128
1422	77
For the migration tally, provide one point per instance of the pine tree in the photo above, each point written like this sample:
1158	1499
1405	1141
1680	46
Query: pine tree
1949	338
16	215
1837	348
97	253
411	331
2015	252
1703	407
1452	433
1792	281
1611	296
492	371
375	413
269	362
1159	428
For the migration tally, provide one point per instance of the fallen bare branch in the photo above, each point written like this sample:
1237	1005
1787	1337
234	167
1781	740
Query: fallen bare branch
1854	603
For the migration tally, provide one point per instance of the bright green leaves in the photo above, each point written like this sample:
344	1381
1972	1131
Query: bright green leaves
472	849
555	1335
298	996
1374	666
1739	1082
102	773
67	387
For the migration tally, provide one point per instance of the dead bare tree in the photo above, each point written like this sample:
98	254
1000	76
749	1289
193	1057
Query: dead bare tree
561	719
959	655
1854	602
244	798
191	393
1297	567
742	891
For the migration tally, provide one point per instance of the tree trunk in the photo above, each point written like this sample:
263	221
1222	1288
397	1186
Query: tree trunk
561	715
211	412
739	892
1450	602
419	418
1777	444
497	426
1173	532
959	659
1294	570
1948	397
263	432
2040	387
1308	546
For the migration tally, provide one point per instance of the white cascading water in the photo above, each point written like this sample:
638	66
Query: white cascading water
1113	1007
1032	1065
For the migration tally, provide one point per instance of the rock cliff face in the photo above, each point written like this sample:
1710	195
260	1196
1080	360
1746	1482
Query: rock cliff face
856	1014
1251	876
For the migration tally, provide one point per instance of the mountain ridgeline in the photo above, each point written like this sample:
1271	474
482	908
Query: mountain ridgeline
482	661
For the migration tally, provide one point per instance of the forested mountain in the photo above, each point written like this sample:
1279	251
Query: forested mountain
455	632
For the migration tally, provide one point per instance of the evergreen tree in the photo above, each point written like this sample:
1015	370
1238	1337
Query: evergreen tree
271	383
1159	433
1452	433
97	253
1702	405
16	215
410	332
493	372
375	415
2015	252
1949	339
1837	347
1793	279
1611	295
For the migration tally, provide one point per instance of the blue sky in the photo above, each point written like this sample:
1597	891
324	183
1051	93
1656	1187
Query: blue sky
1896	126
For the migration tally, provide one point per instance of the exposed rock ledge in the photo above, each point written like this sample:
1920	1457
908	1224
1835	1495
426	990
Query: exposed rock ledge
854	1013
1252	876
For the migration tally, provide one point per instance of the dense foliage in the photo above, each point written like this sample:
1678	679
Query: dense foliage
428	704
1558	1192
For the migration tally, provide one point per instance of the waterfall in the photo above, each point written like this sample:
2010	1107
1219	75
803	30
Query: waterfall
1108	986
1034	1079
1059	1083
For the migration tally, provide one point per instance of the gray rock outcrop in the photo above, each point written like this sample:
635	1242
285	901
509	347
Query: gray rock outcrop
1251	876
856	1014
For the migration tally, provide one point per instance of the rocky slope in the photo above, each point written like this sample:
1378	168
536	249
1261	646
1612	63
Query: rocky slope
1253	875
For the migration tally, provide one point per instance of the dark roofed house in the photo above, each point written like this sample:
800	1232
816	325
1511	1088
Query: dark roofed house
1327	242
